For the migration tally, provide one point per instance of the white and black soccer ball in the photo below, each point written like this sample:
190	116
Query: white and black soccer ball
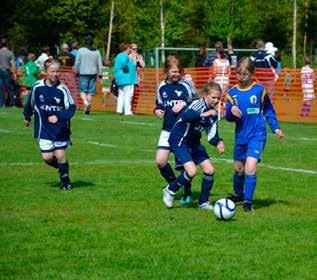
224	209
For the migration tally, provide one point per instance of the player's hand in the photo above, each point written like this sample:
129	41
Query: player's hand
236	112
178	107
209	113
52	119
279	133
159	113
27	123
221	147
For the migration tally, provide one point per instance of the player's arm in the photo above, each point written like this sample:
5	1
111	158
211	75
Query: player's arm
232	111
159	109
70	107
214	138
270	116
28	108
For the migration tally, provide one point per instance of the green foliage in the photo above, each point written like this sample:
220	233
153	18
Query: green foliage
113	224
188	23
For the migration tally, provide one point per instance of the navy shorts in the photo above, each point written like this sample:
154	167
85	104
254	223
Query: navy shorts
87	84
185	154
253	149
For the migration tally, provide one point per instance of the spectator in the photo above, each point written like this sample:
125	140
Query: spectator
201	57
259	58
30	74
7	72
65	56
272	75
307	78
74	50
222	71
88	65
233	57
214	54
107	76
45	55
126	78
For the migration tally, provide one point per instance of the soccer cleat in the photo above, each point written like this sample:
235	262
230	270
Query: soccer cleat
207	206
247	207
185	202
87	109
168	197
235	198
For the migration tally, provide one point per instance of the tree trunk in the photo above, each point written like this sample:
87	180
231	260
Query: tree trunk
294	33
162	31
305	29
110	29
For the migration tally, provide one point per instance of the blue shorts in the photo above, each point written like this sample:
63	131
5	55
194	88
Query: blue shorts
253	149
87	84
195	154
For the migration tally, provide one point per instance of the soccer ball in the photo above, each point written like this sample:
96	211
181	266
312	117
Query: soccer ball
224	209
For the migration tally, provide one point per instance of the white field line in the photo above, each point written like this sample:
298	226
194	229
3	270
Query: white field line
102	144
4	130
152	162
138	123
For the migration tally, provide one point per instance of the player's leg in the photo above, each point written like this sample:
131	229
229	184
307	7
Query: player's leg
206	185
63	168
162	153
47	151
254	154
183	157
239	155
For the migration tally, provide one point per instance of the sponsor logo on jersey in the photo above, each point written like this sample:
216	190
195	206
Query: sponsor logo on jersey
178	92
251	111
51	108
253	99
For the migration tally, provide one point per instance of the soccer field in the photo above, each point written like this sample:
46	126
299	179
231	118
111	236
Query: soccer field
114	225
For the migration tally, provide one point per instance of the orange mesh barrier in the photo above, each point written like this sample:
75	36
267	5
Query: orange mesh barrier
285	93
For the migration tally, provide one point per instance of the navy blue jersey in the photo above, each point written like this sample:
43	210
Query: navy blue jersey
255	105
189	126
259	60
168	95
46	101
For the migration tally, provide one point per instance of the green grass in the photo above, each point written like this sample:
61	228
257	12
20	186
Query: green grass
113	224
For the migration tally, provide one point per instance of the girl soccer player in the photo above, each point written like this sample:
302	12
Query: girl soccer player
173	94
53	106
185	143
247	105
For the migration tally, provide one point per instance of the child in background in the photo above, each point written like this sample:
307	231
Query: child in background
247	105
173	94
30	74
107	76
287	84
184	141
53	106
307	78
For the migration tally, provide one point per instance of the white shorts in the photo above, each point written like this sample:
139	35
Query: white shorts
48	146
163	140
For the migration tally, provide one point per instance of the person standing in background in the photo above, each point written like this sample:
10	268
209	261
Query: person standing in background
45	55
65	57
88	65
307	79
126	77
7	71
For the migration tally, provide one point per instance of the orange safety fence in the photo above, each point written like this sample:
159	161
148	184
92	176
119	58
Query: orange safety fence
286	93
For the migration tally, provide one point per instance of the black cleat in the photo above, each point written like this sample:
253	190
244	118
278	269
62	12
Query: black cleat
247	207
87	110
235	198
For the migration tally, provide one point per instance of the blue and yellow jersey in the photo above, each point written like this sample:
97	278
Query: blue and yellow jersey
256	107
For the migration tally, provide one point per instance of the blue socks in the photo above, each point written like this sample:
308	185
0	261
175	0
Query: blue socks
250	183
238	184
63	172
181	180
167	173
206	185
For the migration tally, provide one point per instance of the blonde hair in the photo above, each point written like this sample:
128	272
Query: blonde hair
51	61
205	91
245	63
